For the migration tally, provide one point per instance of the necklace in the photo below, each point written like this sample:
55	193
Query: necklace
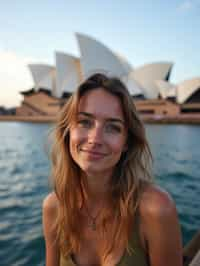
93	219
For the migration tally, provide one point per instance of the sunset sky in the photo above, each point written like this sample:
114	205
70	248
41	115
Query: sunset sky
142	31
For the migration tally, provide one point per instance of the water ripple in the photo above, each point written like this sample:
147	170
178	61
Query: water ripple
24	183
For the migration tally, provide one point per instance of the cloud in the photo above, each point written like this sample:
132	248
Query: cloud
188	5
14	77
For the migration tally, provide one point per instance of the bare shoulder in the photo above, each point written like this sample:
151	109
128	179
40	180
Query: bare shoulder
50	204
156	203
160	227
49	215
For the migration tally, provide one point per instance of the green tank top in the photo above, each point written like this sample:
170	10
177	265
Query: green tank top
137	256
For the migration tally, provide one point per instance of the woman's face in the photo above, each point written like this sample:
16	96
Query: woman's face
98	136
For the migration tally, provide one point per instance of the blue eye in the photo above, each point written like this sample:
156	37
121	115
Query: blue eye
110	128
85	123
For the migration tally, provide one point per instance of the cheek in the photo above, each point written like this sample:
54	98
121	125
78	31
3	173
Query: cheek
117	144
74	139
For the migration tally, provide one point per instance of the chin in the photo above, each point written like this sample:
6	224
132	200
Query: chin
95	169
91	169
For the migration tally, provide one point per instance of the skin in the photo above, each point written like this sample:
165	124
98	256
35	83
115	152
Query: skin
98	137
97	140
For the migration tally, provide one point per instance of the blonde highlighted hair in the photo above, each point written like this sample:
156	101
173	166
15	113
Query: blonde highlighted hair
131	173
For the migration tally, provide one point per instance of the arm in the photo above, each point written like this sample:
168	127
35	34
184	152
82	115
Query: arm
49	211
161	228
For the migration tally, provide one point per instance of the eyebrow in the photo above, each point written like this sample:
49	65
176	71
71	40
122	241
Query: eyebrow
111	119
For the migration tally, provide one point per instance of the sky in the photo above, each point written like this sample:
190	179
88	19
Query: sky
142	31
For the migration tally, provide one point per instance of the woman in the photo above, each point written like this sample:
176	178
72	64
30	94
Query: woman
105	210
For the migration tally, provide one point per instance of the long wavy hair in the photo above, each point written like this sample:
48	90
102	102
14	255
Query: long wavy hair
131	173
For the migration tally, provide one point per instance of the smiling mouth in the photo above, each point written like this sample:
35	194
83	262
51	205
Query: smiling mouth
93	154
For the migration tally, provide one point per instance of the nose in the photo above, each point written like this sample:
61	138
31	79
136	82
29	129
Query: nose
95	135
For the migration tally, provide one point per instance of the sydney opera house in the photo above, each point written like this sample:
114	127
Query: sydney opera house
155	97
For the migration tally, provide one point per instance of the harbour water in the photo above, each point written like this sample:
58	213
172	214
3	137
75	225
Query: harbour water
24	170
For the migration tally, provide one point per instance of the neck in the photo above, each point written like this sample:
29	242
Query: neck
97	198
97	188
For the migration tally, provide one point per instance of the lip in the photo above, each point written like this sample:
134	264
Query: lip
92	154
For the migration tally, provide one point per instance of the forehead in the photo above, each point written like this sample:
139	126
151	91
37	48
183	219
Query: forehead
101	104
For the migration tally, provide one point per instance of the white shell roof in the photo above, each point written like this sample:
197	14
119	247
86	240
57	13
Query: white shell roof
43	76
148	74
132	85
68	74
128	67
166	89
96	57
186	88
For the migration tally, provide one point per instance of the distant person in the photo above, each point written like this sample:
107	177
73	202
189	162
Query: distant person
105	209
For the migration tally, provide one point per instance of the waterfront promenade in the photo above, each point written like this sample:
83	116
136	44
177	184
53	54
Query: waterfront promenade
150	119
